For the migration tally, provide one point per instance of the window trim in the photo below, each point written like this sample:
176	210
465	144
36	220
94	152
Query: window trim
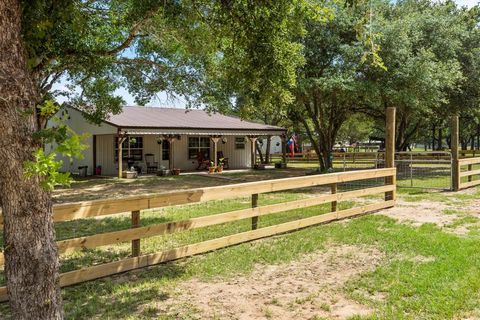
126	148
198	147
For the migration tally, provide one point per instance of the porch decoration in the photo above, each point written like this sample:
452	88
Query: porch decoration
220	165
212	167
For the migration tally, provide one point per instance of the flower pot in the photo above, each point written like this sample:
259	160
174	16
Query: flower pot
220	169
211	169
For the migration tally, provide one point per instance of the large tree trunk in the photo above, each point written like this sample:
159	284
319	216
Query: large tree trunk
31	263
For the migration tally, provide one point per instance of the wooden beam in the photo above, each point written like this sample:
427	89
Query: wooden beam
464	162
107	269
455	141
469	184
254	205
88	209
334	189
136	242
215	140
469	173
94	241
390	150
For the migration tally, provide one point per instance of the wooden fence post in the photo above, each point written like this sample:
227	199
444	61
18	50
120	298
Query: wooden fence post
334	188
455	142
136	242
254	205
390	151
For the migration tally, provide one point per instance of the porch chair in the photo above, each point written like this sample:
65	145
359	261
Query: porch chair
203	162
225	160
152	166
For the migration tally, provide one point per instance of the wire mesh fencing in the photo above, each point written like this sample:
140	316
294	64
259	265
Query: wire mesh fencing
425	170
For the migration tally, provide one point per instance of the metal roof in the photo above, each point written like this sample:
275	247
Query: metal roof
171	118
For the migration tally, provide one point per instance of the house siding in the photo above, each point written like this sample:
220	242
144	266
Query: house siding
237	158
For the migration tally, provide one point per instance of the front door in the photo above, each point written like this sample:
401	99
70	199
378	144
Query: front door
165	154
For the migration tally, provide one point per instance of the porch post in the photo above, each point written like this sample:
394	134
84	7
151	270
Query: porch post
121	139
253	140
171	139
215	140
284	149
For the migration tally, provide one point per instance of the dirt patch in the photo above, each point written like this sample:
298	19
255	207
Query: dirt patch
94	188
420	212
304	289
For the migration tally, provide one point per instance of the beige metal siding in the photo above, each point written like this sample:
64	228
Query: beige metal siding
105	154
237	158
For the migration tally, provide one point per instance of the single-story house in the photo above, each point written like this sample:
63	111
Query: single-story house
151	138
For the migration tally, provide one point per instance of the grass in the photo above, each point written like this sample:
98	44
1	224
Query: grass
442	289
446	286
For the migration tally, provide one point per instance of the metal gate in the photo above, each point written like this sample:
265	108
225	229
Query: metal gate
425	170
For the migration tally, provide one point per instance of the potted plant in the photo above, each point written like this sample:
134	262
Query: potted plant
212	167
176	171
220	165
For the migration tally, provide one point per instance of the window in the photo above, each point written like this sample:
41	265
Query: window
132	149
239	143
198	145
165	150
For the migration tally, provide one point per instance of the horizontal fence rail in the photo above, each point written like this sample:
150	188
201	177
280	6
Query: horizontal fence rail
82	210
471	176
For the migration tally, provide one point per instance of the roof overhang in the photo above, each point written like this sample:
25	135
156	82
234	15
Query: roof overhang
201	132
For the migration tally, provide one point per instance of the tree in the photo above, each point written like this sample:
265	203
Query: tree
419	44
329	82
98	46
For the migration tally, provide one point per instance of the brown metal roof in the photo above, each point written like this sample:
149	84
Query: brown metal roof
154	117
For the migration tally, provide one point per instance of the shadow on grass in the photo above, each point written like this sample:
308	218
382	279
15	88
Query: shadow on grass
120	296
116	297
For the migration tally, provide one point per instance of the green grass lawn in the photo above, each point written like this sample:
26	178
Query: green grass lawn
445	286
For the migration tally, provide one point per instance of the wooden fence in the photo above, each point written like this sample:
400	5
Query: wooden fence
67	212
469	173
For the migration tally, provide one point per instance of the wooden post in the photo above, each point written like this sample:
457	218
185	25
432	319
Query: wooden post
390	150
170	138
334	189
136	242
253	152
254	205
470	168
215	140
455	142
121	139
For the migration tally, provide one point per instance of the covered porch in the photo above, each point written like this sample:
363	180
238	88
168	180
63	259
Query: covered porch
152	150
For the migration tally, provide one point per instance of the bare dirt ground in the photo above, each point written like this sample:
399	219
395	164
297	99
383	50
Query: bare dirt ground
445	214
418	213
94	188
309	288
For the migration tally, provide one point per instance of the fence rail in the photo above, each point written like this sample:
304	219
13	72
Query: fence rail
67	212
470	173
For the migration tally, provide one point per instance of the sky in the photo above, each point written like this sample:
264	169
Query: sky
162	100
468	3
